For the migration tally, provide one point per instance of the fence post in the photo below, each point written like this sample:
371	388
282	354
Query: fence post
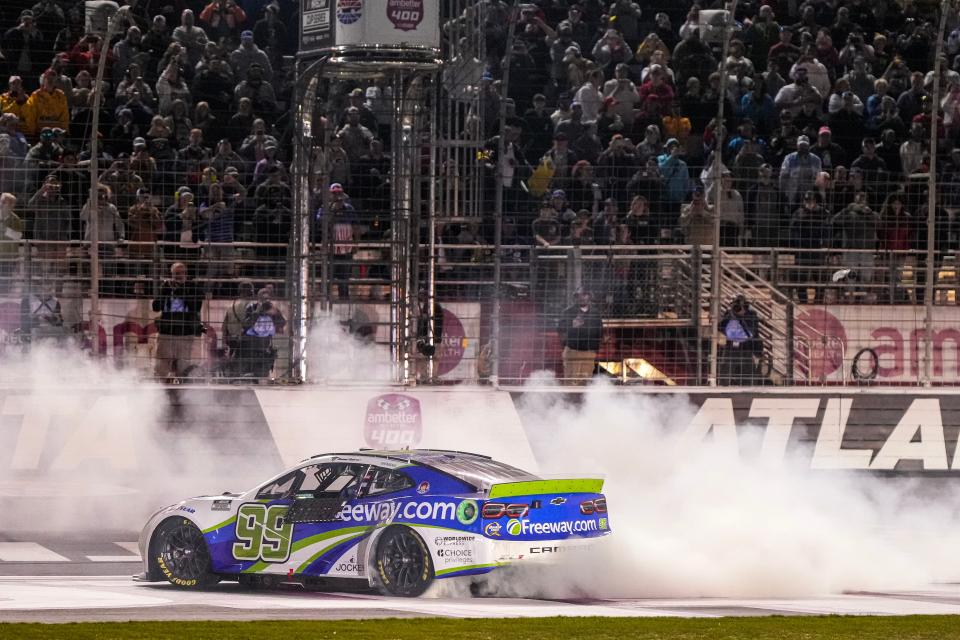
932	201
791	310
696	307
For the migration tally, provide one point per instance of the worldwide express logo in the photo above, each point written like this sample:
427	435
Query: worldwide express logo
523	527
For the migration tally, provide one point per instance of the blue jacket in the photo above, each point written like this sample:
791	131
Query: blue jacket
676	177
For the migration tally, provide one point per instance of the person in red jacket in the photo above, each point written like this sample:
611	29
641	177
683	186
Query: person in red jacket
656	96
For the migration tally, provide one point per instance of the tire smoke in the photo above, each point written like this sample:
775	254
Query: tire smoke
690	520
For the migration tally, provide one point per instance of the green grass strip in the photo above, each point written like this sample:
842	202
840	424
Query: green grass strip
769	628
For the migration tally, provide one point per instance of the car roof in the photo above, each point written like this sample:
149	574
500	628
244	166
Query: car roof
472	468
416	456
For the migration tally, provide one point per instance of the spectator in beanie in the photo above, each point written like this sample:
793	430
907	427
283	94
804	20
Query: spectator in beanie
248	54
191	37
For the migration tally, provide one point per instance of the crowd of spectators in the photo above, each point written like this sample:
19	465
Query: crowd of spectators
612	125
194	134
610	137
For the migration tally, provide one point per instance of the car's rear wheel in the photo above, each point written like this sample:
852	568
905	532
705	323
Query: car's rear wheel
403	564
181	555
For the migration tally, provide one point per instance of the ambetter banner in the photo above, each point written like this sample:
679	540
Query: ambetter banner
895	334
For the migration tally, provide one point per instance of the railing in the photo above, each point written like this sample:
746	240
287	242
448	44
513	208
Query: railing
655	308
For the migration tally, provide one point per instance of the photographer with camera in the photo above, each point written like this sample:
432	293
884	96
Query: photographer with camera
742	351
427	341
263	321
179	305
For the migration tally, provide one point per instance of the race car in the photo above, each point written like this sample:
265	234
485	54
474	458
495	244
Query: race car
391	520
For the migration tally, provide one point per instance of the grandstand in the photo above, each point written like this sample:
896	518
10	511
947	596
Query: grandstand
657	193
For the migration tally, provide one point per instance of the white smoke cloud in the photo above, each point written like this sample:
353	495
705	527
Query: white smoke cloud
344	346
91	447
696	522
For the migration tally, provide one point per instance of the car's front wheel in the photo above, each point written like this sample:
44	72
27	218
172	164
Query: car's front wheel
180	554
403	564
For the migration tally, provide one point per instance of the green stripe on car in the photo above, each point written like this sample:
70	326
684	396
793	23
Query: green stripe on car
469	567
585	485
225	523
311	559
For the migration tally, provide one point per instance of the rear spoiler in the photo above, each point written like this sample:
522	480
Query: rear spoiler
530	487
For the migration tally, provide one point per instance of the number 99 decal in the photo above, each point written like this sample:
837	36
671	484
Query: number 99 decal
262	534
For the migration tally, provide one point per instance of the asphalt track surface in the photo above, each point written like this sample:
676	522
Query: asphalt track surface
63	580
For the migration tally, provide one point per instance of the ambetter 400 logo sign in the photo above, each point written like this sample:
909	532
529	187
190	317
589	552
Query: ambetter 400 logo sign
393	420
406	15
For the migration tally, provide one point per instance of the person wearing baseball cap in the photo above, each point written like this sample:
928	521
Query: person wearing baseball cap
14	100
47	106
144	225
334	222
675	173
830	153
798	172
249	54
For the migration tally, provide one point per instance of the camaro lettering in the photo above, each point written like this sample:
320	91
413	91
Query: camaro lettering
387	511
544	550
544	528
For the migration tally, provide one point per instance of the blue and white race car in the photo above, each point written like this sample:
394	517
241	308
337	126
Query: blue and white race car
395	520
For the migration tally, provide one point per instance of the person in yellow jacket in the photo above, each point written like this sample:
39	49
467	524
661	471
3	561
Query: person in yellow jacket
16	100
48	105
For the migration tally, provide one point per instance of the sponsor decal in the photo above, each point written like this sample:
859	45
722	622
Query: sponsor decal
406	15
423	487
464	554
453	344
467	512
822	358
492	530
518	527
453	541
393	421
350	566
556	549
221	505
187	509
349	11
388	511
559	500
603	524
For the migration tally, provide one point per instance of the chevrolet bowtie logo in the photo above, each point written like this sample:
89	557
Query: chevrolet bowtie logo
558	501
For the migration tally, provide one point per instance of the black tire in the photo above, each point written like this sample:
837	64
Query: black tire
403	565
180	555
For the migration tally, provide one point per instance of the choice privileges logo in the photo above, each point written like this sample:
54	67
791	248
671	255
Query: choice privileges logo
523	527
